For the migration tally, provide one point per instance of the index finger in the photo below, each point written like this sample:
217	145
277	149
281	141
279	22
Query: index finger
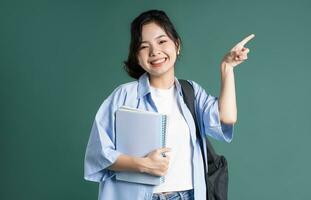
164	150
246	40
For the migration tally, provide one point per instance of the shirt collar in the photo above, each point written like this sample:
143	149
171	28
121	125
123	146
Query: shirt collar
144	85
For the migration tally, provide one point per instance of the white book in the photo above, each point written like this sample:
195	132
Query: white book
138	132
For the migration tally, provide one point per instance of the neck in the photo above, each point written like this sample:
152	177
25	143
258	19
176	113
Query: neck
162	82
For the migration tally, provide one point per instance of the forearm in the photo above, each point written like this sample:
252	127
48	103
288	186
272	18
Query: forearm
154	163
227	98
127	163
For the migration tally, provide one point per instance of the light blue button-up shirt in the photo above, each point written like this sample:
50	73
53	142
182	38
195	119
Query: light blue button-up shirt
101	151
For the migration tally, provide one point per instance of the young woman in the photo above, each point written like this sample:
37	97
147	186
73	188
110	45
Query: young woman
155	46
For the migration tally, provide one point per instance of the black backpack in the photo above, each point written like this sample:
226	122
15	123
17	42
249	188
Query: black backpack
216	178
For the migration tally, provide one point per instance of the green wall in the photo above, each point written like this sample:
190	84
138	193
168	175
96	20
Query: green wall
60	59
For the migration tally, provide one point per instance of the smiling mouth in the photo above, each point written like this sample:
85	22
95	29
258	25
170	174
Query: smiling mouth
158	62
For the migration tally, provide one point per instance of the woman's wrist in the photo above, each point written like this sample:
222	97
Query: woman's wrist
225	67
140	164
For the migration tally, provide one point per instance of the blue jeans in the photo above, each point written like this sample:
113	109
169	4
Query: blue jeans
181	195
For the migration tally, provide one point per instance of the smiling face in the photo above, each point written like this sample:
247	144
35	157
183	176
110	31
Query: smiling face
157	53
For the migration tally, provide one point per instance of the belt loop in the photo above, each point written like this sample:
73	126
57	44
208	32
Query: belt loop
181	195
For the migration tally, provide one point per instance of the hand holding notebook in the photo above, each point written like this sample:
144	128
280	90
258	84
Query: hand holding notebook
158	162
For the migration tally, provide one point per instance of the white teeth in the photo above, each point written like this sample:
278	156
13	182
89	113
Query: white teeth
158	61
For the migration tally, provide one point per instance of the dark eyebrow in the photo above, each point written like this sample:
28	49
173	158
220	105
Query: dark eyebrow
155	38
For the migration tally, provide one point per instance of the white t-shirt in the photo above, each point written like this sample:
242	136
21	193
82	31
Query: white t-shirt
179	175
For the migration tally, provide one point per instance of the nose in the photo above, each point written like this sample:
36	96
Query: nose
153	51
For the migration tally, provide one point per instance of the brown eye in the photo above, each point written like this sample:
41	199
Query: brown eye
162	41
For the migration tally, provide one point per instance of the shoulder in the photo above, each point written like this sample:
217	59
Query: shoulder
118	96
199	91
122	91
125	88
195	85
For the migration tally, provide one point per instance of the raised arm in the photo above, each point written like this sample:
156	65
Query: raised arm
227	98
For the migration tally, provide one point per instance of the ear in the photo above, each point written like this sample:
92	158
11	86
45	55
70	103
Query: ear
178	46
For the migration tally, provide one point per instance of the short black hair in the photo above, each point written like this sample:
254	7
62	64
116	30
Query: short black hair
159	17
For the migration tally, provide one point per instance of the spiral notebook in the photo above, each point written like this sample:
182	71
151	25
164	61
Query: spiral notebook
138	132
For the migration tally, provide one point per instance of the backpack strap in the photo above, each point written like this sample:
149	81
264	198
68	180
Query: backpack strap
188	94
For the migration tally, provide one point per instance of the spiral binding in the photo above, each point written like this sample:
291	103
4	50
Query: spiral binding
163	138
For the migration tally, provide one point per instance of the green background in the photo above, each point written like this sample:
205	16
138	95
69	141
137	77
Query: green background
60	59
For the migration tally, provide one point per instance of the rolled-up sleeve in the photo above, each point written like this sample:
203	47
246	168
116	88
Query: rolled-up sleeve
207	112
100	152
